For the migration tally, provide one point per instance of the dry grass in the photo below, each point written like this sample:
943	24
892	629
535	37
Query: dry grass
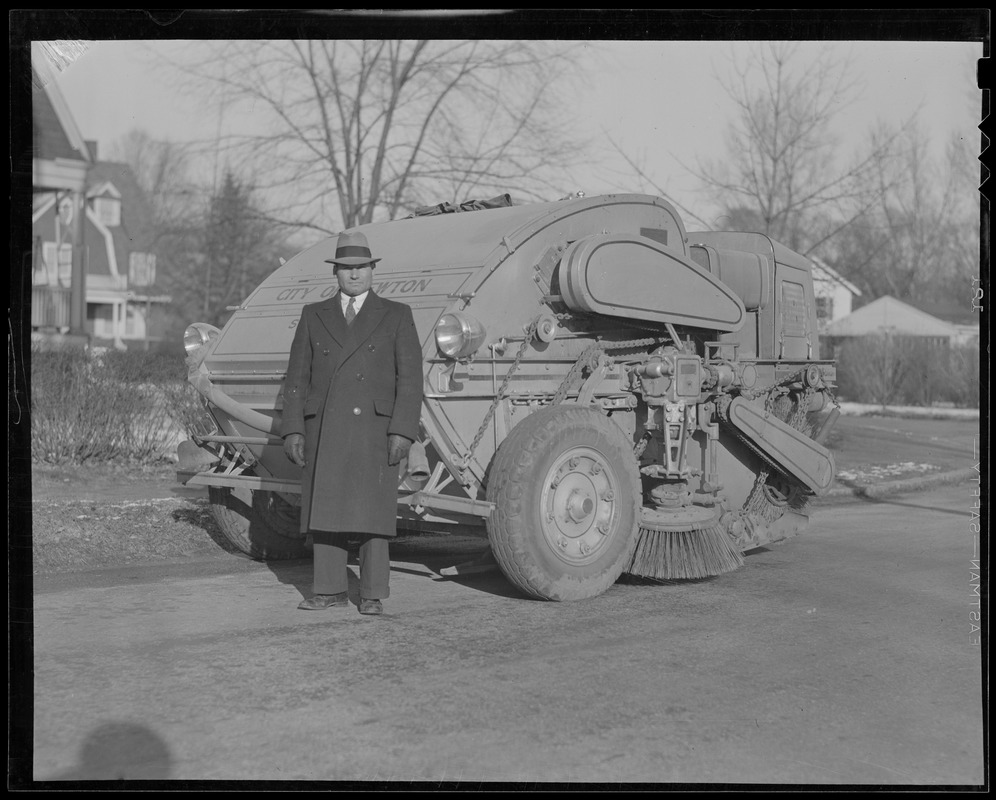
115	514
82	534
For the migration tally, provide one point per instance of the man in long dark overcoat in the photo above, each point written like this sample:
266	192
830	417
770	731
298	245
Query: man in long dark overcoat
352	400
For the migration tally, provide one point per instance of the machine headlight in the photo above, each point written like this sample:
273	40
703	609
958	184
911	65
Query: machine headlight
197	335
458	335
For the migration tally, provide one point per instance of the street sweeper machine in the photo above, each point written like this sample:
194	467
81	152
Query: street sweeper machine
606	393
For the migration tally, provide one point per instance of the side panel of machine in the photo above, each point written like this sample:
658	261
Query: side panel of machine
796	336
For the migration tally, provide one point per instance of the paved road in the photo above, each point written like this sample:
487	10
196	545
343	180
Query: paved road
861	444
843	656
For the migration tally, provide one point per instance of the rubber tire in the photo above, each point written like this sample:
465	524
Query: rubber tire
251	524
515	485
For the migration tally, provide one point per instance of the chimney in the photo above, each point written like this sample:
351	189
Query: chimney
91	145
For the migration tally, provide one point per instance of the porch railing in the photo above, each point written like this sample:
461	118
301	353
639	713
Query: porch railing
50	307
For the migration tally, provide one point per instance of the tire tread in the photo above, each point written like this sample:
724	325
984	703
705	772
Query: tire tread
512	471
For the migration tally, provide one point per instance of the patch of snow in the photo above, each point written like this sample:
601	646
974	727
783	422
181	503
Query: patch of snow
933	412
880	472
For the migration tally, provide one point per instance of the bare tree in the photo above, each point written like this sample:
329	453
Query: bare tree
782	154
212	244
780	172
216	261
240	249
964	199
164	172
355	131
920	240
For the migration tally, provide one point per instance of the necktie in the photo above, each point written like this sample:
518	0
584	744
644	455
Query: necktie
350	312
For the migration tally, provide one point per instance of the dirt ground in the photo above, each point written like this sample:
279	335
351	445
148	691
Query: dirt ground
842	658
112	515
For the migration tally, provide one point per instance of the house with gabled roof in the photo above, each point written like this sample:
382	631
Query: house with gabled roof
834	294
964	318
93	256
60	159
887	315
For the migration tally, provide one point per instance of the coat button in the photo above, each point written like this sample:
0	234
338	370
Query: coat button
325	352
359	376
356	411
371	347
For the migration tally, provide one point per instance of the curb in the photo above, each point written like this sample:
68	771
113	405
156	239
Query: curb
875	490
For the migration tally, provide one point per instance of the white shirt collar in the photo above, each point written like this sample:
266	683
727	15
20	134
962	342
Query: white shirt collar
357	301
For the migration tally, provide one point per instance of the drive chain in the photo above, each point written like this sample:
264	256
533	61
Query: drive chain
756	502
500	394
587	360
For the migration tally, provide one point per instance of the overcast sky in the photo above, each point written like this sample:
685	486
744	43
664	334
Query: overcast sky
661	99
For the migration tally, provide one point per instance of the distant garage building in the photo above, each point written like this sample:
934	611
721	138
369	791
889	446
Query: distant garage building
891	352
892	317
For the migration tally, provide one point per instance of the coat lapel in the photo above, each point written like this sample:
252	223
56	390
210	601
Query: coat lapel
366	322
369	318
330	314
349	337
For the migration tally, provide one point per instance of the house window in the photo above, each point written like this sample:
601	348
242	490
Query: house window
66	211
58	260
101	317
133	327
65	264
141	269
824	308
108	211
47	272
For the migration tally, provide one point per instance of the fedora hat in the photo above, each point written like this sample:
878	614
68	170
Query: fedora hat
352	250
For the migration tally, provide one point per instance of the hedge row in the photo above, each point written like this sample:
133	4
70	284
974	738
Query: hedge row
113	407
909	371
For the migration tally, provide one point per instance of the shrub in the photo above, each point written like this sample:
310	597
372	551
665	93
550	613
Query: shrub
136	366
907	370
109	407
963	382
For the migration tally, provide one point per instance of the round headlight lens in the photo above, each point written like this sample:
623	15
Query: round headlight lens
458	335
197	335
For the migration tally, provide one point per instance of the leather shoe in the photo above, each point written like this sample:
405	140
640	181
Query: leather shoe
322	601
371	606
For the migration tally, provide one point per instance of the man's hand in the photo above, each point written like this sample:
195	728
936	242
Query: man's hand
294	448
397	448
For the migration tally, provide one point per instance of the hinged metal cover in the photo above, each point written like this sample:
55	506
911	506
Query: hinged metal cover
627	275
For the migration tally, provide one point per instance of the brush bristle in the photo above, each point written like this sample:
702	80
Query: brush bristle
684	555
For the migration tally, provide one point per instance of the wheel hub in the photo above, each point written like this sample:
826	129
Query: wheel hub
579	505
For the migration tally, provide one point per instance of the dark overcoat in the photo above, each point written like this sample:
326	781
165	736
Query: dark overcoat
347	388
